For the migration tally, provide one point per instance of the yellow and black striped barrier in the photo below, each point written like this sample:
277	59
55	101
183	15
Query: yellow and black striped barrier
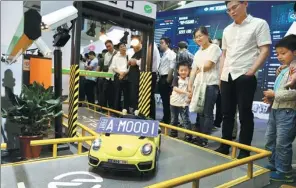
73	102
145	93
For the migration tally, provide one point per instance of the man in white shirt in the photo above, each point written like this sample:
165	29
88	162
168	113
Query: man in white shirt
245	44
107	86
165	72
120	67
90	82
155	63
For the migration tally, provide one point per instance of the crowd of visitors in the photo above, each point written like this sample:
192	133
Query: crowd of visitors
222	73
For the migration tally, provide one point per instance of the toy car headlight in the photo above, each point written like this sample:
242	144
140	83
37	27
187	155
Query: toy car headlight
147	149
96	144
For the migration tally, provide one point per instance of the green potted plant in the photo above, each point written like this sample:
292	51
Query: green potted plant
32	110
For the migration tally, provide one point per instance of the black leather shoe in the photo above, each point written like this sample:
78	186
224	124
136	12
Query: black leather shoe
223	149
243	154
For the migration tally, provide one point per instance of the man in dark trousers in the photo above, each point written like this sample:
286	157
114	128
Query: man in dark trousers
165	73
134	75
90	82
155	63
239	63
107	92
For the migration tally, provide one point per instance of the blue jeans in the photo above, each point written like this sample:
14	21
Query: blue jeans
184	113
207	117
280	134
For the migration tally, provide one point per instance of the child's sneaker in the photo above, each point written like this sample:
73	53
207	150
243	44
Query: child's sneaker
282	177
270	167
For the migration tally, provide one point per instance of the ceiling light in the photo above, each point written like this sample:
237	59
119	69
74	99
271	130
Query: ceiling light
103	38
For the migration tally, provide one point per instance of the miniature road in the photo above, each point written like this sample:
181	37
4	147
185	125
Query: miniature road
176	159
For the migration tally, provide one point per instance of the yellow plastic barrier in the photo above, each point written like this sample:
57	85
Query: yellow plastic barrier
57	141
3	145
195	177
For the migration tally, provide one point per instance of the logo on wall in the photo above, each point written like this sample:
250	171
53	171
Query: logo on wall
148	9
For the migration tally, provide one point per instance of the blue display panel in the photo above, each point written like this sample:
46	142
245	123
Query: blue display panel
179	25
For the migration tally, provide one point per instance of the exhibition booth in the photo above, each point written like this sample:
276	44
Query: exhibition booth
46	128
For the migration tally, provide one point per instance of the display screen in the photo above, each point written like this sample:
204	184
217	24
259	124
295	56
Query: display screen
179	25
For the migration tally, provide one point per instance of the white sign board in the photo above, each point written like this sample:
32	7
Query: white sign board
143	8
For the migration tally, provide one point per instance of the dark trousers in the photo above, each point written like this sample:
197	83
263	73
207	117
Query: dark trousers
121	87
165	90
106	93
152	100
133	98
81	88
90	90
184	113
133	89
238	92
218	116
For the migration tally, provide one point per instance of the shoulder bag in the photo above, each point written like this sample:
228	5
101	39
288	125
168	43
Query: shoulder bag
199	95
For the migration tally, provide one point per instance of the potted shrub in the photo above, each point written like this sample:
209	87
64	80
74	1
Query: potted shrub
32	110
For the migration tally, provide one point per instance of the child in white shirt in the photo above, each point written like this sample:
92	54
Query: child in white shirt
180	99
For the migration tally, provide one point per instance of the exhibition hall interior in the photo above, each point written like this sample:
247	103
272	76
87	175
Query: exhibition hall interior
156	94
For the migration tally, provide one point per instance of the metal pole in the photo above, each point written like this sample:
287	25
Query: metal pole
74	75
58	89
144	52
150	50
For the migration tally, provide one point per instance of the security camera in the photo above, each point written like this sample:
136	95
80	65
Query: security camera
59	18
41	45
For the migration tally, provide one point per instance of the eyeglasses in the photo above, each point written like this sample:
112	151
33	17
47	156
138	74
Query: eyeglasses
234	7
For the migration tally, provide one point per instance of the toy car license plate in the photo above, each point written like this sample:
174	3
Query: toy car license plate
117	161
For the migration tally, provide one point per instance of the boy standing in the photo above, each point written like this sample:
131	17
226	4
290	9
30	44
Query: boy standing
180	99
281	130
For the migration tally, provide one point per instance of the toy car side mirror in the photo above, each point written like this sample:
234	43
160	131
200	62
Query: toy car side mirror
159	130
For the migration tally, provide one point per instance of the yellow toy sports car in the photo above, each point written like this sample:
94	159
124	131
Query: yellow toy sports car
130	143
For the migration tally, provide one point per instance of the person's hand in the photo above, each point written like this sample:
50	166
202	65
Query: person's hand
250	73
132	62
121	75
189	89
292	83
266	100
278	71
168	80
188	101
190	95
269	93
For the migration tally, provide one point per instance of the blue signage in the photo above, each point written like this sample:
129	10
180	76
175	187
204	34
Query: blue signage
137	127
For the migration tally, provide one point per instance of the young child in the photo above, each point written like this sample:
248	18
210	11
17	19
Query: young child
180	99
281	130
